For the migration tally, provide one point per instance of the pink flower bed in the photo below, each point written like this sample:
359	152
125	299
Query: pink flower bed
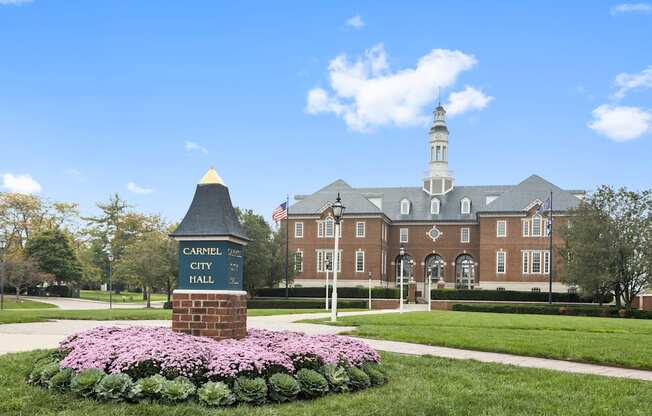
118	350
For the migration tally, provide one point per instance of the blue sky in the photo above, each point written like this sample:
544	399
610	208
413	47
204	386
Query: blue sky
286	98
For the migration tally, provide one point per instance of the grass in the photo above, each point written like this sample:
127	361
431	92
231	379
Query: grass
24	316
122	297
11	303
417	386
618	342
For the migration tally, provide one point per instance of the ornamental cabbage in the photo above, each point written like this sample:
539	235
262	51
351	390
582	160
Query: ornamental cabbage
84	383
61	380
337	377
47	372
377	376
283	388
358	379
148	388
114	387
250	390
216	394
312	383
177	390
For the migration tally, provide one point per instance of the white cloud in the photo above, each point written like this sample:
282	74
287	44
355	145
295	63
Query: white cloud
131	186
192	147
356	22
366	94
468	99
22	184
627	82
620	123
631	8
14	2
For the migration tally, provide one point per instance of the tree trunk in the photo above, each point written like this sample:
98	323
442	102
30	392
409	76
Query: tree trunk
169	288
149	297
17	293
618	295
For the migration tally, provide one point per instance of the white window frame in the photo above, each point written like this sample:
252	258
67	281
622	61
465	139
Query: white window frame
525	227
329	221
405	206
322	255
383	268
498	224
546	262
536	260
537	219
357	229
298	265
500	254
298	226
465	206
463	231
403	232
434	206
525	261
359	261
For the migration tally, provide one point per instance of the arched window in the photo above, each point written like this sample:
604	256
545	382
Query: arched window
405	207
465	206
435	267
408	269
445	153
464	272
434	206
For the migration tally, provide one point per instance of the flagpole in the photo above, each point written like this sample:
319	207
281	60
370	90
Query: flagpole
550	255
287	244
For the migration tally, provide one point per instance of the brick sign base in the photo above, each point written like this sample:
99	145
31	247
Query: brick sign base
216	314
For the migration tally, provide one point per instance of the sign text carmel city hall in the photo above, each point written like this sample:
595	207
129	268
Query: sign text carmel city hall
215	265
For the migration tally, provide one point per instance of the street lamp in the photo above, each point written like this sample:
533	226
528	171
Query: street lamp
430	288
401	253
110	257
329	265
3	244
338	210
369	290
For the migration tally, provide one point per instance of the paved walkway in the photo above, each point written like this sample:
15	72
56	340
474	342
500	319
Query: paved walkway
26	337
85	304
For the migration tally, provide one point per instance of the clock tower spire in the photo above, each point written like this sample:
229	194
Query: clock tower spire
438	179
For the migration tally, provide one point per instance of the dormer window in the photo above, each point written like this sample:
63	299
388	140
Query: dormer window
405	207
434	206
465	206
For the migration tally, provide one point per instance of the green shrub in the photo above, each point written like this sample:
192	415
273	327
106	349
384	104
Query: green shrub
570	310
358	379
47	372
215	394
250	390
302	304
148	388
37	371
113	387
320	292
512	296
312	383
377	376
85	381
337	377
283	387
177	390
61	380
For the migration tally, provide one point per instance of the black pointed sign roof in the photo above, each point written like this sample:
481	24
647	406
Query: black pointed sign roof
211	213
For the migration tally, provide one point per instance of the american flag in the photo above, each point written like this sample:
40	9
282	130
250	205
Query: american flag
280	213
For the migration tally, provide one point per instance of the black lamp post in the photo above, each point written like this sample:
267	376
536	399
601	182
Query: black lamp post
338	210
110	257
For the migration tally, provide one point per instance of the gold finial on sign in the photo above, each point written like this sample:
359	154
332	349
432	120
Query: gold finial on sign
211	177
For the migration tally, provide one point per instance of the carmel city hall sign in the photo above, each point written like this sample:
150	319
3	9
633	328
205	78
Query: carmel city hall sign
210	265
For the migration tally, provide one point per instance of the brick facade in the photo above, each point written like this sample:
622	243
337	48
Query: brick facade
213	315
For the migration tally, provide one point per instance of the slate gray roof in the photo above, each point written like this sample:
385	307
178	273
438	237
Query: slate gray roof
508	198
210	214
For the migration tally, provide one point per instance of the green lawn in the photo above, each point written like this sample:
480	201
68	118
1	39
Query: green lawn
10	303
610	341
23	316
417	386
122	297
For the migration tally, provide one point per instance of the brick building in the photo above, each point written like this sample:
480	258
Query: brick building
488	237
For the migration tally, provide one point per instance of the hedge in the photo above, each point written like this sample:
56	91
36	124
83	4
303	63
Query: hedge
596	311
511	296
342	292
303	304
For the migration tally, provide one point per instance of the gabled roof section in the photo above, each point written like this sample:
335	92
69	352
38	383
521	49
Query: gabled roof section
533	188
352	199
338	185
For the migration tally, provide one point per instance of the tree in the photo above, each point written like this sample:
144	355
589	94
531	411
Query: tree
52	251
22	272
277	272
609	244
258	253
146	263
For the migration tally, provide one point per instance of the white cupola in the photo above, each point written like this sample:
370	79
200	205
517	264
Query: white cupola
438	179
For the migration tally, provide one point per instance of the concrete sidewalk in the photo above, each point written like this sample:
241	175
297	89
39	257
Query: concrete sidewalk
30	336
86	304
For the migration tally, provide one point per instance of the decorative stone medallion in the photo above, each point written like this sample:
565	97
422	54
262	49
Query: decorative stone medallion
434	233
